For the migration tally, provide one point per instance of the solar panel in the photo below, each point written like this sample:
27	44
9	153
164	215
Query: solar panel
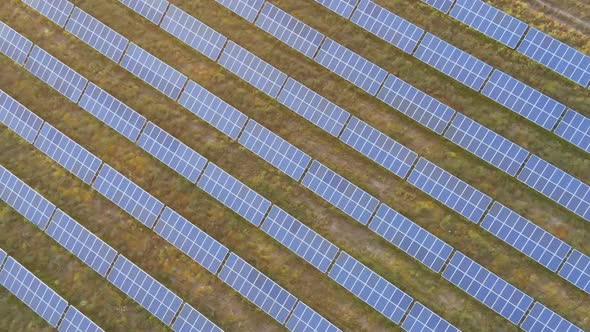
193	32
524	100
153	71
56	74
490	21
422	319
302	240
343	8
557	185
13	44
190	320
75	321
247	9
187	237
378	147
453	61
575	128
275	150
449	190
416	104
213	110
557	56
18	118
145	290
388	26
153	10
289	30
370	287
351	66
32	291
258	288
96	34
127	195
252	69
526	237
69	154
313	107
234	194
442	5
2	256
305	319
577	270
411	238
340	192
172	152
56	10
541	319
24	199
112	112
486	144
89	248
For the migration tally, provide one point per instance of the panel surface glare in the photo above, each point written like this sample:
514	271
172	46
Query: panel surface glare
542	319
18	118
305	319
343	8
56	10
153	10
442	5
13	44
575	128
75	321
247	9
422	319
577	270
190	320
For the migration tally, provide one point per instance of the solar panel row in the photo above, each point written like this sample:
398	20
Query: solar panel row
577	270
18	118
153	10
13	44
343	8
189	319
305	319
247	9
541	318
56	10
442	5
74	320
575	128
423	319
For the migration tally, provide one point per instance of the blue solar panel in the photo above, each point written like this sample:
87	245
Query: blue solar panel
442	5
301	239
340	192
234	194
557	185
247	9
577	270
275	150
75	321
575	128
145	290
486	144
69	154
56	10
258	288
18	118
449	190
153	71
557	56
416	104
127	195
388	26
422	319
213	110
96	34
153	10
193	32
525	236
542	319
2	256
305	319
351	66
370	287
378	147
190	320
32	291
524	100
187	237
24	199
172	152
13	44
56	74
343	8
313	107
453	61
252	69
89	248
411	238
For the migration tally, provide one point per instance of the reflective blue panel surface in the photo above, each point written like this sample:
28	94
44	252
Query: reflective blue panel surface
341	7
575	128
75	321
577	270
442	5
305	319
2	256
542	319
56	10
13	44
422	319
153	10
247	9
190	320
18	118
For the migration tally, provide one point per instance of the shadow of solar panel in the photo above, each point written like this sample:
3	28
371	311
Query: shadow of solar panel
486	144
74	320
378	147
274	149
56	10
69	154
558	185
258	288
305	319
24	199
96	34
247	9
144	289
112	112
234	194
172	152
449	190
411	238
453	61
340	192
422	319
351	66
577	270
416	104
190	320
544	320
343	8
252	69
13	44
56	74
524	100
442	5
575	128
18	118
32	291
289	30
388	26
187	237
127	195
370	287
153	10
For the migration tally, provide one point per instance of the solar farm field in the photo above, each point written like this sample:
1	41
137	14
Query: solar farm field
309	165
